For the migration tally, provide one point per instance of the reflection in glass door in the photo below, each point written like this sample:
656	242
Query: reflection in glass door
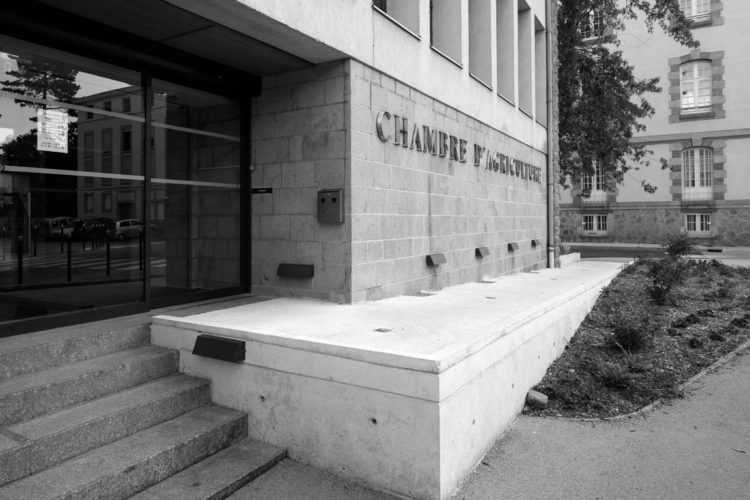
71	183
195	191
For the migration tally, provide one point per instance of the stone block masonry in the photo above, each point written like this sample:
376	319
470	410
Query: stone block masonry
426	179
450	185
299	146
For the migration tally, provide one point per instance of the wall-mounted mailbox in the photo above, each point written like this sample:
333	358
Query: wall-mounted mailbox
435	259
303	271
482	252
331	206
512	247
226	349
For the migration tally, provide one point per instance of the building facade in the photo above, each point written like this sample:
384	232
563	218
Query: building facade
249	147
700	128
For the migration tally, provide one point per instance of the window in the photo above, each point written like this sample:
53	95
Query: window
107	105
696	10
698	223
525	58
404	12
595	224
506	50
126	139
697	174
126	104
107	155
88	202
107	202
594	186
88	157
480	41
594	26
695	87
445	28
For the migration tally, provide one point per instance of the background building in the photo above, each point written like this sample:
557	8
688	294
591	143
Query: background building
700	127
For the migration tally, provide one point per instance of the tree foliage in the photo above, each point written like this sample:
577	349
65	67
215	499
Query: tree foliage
602	103
42	79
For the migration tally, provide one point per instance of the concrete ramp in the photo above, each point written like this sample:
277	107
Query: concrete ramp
407	393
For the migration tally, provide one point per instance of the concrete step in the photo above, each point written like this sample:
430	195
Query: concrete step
125	467
29	396
50	439
219	475
36	351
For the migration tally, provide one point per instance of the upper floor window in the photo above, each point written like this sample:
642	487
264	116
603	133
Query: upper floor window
594	26
695	86
404	12
696	10
594	185
697	174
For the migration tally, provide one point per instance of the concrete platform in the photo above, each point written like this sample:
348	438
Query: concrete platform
406	394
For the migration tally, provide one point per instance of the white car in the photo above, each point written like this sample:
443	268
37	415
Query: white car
125	229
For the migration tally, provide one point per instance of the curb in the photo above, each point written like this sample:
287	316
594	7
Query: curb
682	387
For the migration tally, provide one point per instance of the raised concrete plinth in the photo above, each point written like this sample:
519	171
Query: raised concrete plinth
406	393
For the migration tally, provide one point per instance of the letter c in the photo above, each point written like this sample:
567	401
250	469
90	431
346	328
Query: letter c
379	125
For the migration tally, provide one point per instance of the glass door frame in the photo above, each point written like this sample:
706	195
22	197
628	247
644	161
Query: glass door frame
152	60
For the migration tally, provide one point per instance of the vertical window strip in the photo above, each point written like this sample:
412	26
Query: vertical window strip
688	168
695	85
706	165
588	223
690	222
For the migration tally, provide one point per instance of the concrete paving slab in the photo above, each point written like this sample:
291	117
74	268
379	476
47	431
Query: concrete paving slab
428	333
291	480
695	448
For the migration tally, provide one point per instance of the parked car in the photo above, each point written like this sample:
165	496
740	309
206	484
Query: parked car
94	228
53	228
124	229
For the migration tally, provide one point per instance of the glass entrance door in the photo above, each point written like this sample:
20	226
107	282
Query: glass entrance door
70	168
195	191
82	226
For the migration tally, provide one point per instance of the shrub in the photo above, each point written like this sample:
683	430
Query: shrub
631	332
613	374
677	245
666	274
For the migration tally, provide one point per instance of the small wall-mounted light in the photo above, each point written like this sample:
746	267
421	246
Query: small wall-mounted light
512	247
481	252
435	259
223	348
302	271
534	243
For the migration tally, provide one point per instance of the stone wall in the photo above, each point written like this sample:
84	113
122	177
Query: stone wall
316	129
300	146
730	224
407	203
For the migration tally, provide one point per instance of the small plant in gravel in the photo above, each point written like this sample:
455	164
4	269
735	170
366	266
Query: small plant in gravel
631	334
741	321
666	274
686	321
613	374
677	245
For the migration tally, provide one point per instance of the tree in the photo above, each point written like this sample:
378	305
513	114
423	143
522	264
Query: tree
601	101
42	79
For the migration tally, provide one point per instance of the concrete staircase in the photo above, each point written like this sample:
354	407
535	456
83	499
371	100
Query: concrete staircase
97	412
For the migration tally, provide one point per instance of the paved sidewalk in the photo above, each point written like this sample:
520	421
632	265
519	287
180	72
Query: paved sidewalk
695	448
